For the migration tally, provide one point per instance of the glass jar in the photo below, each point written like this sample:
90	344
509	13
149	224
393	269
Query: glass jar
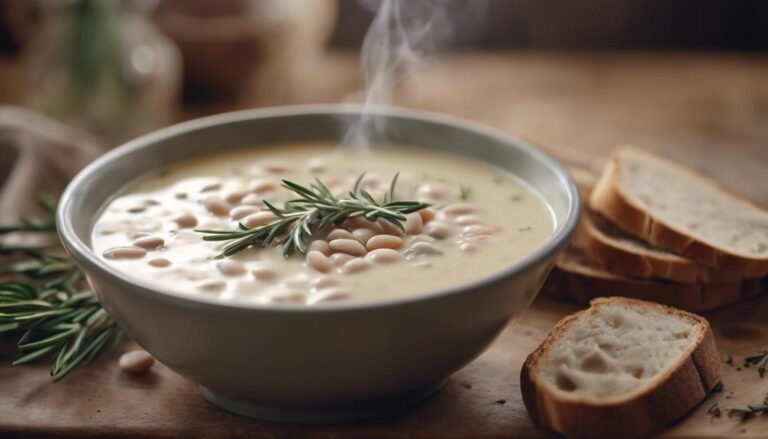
101	65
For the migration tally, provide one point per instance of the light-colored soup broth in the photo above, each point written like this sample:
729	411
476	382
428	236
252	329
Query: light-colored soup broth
481	220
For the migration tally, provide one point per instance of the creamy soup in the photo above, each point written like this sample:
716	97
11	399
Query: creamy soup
479	221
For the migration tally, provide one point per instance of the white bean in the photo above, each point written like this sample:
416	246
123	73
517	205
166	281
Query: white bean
389	228
186	220
228	267
437	229
149	242
359	222
212	286
258	219
468	220
240	212
469	247
235	197
458	209
320	246
427	214
252	200
261	186
339	234
275	167
319	261
288	296
355	266
363	235
216	205
159	262
413	224
341	258
383	256
137	209
348	246
124	253
433	191
136	361
420	238
328	296
384	241
211	187
423	248
264	274
478	230
324	282
316	165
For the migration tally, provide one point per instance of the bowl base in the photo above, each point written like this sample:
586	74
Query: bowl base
319	414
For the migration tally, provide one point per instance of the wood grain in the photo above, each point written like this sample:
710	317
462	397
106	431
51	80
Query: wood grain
707	110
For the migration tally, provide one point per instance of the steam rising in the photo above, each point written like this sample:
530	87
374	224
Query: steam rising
402	32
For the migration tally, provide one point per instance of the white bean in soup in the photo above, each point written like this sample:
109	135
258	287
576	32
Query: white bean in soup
480	221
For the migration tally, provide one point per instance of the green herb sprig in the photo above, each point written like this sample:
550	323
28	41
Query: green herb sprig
750	410
760	360
45	302
314	208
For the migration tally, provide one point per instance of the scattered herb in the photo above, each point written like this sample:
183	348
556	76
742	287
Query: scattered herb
729	360
465	192
314	208
760	360
46	304
750	410
500	401
714	409
498	179
181	196
718	387
164	173
525	229
516	198
44	223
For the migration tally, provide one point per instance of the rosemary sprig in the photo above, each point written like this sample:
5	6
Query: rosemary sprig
750	410
314	208
45	305
760	359
465	192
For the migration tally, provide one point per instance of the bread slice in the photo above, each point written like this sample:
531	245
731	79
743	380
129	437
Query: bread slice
575	277
622	368
678	210
624	254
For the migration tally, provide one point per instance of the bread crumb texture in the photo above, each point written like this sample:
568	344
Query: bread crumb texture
618	350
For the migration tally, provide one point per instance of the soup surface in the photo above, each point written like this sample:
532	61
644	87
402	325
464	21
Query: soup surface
480	220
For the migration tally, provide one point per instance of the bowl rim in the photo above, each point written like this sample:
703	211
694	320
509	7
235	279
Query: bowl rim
86	256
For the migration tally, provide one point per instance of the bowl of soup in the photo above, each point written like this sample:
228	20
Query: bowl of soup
293	275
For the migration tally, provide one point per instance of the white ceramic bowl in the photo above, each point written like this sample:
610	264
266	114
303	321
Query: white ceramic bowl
333	363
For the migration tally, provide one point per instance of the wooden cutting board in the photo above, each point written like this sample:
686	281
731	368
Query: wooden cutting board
481	401
707	110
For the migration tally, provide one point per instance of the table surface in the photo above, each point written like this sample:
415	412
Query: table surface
707	110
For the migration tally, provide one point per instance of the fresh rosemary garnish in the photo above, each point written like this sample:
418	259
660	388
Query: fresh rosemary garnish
44	301
760	359
315	208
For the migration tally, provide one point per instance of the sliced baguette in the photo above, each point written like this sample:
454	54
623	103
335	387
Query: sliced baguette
577	278
624	254
622	368
678	210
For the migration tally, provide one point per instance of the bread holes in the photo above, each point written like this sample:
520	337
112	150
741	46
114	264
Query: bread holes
594	363
564	383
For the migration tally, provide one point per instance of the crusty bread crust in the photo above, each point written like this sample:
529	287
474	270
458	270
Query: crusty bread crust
573	279
607	199
641	412
612	254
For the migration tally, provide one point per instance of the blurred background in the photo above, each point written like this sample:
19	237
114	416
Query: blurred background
576	77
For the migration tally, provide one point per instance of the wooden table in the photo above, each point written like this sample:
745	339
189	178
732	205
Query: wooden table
710	111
